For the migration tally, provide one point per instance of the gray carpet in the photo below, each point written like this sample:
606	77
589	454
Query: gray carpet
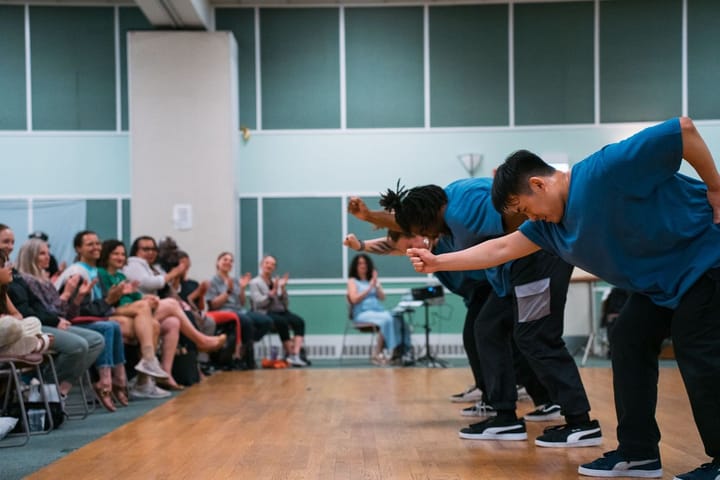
41	450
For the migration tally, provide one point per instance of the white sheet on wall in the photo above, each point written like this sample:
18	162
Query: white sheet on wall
61	220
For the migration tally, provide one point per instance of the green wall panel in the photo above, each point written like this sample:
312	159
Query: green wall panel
469	65
553	61
131	18
300	62
126	234
304	235
703	59
249	260
13	114
384	67
73	68
241	22
101	217
640	60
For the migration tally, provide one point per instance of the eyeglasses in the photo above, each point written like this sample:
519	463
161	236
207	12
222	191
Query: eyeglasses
148	249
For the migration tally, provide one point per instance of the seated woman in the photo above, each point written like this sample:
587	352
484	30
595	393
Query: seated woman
18	336
76	348
269	295
365	293
227	293
78	293
141	324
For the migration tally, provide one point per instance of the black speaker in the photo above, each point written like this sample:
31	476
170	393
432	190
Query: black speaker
428	292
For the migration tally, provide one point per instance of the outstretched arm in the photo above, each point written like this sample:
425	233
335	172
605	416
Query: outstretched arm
697	154
377	246
379	218
490	253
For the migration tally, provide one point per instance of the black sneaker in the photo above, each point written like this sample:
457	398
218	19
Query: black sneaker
612	464
495	429
706	471
544	413
583	435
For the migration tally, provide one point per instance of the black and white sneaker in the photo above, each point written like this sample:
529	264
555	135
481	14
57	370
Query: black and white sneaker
480	409
495	429
583	435
544	413
471	394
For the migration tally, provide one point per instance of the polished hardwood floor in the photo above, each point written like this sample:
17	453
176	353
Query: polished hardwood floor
364	423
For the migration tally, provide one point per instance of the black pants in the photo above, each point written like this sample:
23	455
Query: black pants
477	300
284	321
540	283
636	341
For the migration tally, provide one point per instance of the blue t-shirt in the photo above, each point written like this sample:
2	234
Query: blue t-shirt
462	283
631	219
472	219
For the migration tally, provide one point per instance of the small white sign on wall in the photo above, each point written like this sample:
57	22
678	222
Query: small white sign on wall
182	216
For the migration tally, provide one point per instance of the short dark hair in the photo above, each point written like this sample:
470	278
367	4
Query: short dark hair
136	244
353	273
511	178
418	209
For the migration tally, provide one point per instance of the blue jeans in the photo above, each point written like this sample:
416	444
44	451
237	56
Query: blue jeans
114	351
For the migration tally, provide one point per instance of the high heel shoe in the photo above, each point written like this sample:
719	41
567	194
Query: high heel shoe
103	396
120	392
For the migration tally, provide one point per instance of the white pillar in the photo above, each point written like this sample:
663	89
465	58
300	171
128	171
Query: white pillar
184	140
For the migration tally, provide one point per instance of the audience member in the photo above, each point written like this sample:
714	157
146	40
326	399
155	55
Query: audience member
268	295
227	293
77	348
365	294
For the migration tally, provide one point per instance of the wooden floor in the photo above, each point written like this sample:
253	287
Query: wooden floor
375	423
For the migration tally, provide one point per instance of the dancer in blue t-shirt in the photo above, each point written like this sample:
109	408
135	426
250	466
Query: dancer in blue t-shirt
626	215
535	288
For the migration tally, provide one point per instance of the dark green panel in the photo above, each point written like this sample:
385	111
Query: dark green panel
241	22
304	235
126	222
300	64
73	68
703	59
12	68
131	18
469	65
384	67
553	61
640	60
102	218
386	265
249	260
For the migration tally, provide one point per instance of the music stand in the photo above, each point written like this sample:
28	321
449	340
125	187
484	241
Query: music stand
430	295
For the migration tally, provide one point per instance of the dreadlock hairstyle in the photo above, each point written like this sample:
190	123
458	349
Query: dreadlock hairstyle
511	178
416	210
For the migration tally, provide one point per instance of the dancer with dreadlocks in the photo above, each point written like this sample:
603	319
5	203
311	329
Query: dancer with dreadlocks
473	287
534	287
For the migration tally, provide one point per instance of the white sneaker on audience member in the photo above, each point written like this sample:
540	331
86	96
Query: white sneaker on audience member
151	367
148	390
295	361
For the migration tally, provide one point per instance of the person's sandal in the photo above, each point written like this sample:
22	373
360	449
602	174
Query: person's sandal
103	395
120	392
